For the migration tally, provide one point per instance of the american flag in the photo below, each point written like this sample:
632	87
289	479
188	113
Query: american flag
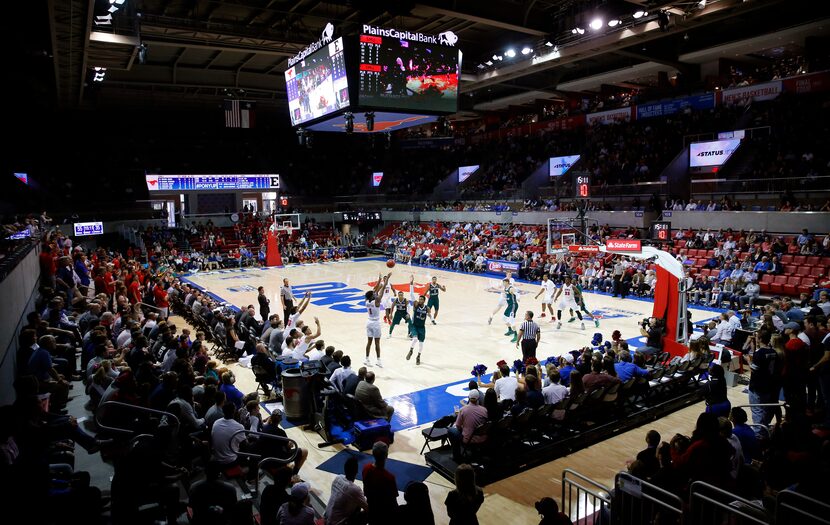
239	114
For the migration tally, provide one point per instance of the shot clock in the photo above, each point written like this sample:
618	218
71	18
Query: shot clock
582	186
661	231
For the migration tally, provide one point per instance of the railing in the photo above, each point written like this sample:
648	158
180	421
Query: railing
584	500
749	133
145	419
710	505
637	501
264	462
792	507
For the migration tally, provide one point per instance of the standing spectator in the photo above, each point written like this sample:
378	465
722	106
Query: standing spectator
264	304
380	487
347	499
464	501
417	510
764	378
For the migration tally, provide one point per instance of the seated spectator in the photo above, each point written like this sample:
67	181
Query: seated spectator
745	434
715	392
549	511
648	456
368	395
296	511
212	500
470	417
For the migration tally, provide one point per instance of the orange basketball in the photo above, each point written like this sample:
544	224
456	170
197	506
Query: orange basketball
390	263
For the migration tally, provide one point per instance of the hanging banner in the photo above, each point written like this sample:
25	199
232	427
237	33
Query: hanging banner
609	117
756	92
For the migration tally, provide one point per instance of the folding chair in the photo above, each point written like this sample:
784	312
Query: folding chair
438	432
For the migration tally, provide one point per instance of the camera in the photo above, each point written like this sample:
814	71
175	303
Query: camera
646	322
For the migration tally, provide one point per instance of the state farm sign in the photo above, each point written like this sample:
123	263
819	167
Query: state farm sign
579	248
624	245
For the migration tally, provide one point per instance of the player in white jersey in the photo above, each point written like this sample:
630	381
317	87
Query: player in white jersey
568	301
386	303
547	291
373	300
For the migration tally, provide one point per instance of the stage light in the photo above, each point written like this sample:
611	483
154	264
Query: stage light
510	53
596	24
526	50
349	122
640	14
613	22
370	121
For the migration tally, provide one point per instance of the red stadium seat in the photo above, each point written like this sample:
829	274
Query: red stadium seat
813	260
791	287
710	253
806	285
800	260
778	282
715	272
803	271
766	283
786	259
705	272
817	271
700	262
789	269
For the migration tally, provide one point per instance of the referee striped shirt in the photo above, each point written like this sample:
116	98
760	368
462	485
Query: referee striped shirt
529	330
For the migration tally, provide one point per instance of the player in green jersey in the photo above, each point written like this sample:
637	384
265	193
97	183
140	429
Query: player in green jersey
433	297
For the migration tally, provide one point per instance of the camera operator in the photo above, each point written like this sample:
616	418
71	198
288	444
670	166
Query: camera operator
652	330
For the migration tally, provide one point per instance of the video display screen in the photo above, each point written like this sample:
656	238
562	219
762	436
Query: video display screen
713	153
408	75
464	172
560	165
318	85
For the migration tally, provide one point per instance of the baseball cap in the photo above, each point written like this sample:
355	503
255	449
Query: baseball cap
792	325
299	491
569	358
475	394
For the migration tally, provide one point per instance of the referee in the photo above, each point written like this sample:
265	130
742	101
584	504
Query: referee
529	335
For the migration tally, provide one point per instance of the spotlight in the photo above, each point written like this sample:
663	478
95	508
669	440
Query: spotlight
510	53
481	66
495	57
549	43
613	22
526	50
578	31
349	122
498	57
596	24
701	4
370	121
640	14
488	63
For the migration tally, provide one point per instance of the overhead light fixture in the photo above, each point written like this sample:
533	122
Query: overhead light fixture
549	43
498	57
481	66
495	57
613	22
488	63
526	50
639	14
510	53
596	24
701	4
578	30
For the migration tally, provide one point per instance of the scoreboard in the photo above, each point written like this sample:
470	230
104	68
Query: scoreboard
661	231
212	182
582	186
362	216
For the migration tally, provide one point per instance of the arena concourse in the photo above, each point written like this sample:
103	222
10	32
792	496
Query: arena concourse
344	263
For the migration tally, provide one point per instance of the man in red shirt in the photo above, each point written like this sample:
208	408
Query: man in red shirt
47	266
161	299
380	487
796	368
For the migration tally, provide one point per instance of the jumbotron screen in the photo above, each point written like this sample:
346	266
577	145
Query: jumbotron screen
318	85
408	75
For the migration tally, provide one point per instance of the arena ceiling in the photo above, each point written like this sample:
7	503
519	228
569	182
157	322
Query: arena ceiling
196	52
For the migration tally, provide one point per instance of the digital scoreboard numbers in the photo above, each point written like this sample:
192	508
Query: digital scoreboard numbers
370	64
582	186
661	231
212	182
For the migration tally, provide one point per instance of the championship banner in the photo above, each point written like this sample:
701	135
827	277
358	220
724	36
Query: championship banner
624	245
670	107
756	92
502	266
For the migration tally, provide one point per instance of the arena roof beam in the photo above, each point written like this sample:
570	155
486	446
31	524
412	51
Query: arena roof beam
481	20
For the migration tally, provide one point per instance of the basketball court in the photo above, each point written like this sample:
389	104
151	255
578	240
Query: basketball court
461	339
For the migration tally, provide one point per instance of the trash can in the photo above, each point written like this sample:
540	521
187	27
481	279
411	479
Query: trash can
295	394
